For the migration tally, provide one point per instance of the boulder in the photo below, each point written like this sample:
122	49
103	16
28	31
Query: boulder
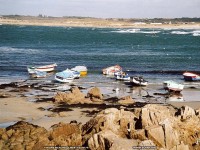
23	135
152	114
108	140
95	93
66	134
127	100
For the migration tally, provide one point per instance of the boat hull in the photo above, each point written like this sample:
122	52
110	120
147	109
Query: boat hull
47	68
112	70
137	81
191	77
63	80
172	86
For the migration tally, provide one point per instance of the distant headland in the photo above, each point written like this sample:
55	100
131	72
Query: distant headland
40	20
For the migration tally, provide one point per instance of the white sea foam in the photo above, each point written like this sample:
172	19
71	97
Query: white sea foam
196	33
127	31
180	32
8	50
136	31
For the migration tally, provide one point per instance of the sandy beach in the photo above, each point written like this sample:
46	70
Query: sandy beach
93	22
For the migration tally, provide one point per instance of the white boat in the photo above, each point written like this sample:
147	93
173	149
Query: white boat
65	76
138	81
173	86
123	76
38	74
46	68
188	76
112	70
81	69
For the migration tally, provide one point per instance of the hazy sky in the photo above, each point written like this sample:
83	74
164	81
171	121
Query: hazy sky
103	8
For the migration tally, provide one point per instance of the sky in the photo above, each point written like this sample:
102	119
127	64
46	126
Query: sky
103	8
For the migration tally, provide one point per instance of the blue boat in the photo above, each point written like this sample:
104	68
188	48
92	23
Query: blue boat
65	76
38	74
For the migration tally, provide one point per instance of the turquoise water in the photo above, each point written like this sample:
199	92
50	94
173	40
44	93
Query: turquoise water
156	54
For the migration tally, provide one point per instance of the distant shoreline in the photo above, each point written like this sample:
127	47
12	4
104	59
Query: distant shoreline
95	22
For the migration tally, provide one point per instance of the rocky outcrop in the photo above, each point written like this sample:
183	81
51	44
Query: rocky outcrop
23	135
74	97
155	126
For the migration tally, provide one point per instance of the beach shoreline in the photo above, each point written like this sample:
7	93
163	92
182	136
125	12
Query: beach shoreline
93	23
17	104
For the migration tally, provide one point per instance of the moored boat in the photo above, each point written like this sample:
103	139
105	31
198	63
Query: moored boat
46	68
82	69
188	76
112	70
123	76
137	81
173	86
38	74
65	76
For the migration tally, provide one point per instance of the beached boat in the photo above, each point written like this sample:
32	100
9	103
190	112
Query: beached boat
137	81
38	74
173	86
188	76
81	69
46	68
123	76
112	70
65	76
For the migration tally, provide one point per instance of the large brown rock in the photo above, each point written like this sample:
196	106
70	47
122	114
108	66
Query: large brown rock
24	135
66	134
152	114
108	140
95	93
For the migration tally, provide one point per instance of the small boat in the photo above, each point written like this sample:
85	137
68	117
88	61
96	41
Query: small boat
81	69
38	74
76	74
137	81
46	68
65	76
123	76
172	86
188	76
112	70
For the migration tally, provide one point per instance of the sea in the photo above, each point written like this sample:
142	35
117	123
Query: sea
155	54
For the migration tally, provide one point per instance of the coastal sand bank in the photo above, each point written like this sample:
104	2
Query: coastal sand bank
91	22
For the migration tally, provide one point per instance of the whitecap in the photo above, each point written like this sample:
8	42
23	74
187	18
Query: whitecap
127	31
196	33
8	50
179	32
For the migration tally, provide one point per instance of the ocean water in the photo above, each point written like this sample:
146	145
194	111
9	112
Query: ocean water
155	54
